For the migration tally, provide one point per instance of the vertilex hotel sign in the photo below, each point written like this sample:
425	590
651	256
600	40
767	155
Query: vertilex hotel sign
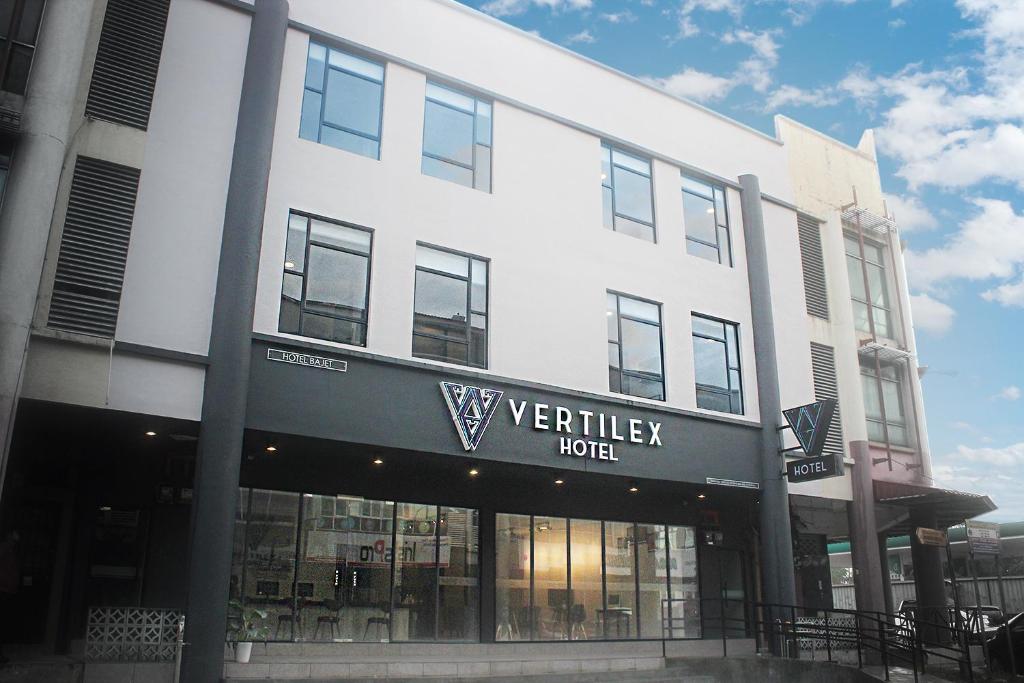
580	433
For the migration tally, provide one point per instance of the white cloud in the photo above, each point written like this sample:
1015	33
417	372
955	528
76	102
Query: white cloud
788	95
897	3
687	29
623	17
508	8
1010	393
756	70
1000	457
910	213
695	85
1009	294
584	36
989	245
931	315
897	23
733	7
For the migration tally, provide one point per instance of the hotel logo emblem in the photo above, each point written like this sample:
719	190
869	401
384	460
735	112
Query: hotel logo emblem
471	409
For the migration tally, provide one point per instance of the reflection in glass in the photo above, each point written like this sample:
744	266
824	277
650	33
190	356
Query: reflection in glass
269	574
683	613
716	364
707	221
457	137
653	580
459	575
619	614
587	592
635	364
627	198
512	577
550	581
415	591
450	307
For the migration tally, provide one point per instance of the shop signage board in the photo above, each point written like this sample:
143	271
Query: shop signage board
810	424
926	536
587	434
811	469
733	483
982	537
306	359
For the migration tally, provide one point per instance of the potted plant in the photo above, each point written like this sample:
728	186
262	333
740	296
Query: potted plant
245	625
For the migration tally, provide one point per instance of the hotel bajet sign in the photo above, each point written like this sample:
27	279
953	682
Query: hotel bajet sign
587	434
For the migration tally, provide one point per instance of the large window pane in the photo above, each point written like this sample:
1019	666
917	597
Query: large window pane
414	610
635	360
512	577
443	312
336	283
550	582
641	347
344	570
448	133
353	102
653	612
684	591
457	138
716	364
587	593
459	582
270	574
699	217
619	614
633	195
441	306
710	365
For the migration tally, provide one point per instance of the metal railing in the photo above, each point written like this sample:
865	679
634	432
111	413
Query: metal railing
915	640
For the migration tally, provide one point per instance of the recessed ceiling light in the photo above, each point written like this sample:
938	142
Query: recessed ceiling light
150	433
378	461
633	489
701	496
271	448
559	482
104	508
473	472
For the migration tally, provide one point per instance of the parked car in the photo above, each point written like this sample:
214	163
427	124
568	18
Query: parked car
998	644
980	622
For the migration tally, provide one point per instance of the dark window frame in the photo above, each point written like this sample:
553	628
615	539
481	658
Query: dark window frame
475	167
618	342
609	182
9	44
323	96
721	223
304	274
728	368
470	311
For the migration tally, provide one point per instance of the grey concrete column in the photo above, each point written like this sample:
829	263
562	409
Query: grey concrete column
928	578
883	557
227	379
776	537
27	211
867	565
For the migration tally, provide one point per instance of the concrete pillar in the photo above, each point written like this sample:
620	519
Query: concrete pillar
27	211
776	537
928	578
883	557
227	379
867	565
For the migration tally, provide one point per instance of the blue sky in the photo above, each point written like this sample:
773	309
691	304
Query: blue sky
942	84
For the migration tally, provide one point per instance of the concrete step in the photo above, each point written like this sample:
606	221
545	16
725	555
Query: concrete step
649	676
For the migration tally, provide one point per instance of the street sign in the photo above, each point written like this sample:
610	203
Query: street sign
810	469
810	424
926	536
983	537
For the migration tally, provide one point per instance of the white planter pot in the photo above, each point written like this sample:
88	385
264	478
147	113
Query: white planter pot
242	652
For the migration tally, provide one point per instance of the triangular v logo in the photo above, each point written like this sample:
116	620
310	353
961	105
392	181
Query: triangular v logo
471	409
810	424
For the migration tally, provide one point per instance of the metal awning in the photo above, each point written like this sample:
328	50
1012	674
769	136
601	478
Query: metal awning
868	221
951	507
884	351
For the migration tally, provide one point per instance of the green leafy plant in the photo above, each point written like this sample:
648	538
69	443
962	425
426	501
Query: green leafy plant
245	625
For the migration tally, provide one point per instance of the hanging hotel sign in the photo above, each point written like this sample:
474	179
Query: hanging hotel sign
587	434
810	469
310	361
810	424
982	537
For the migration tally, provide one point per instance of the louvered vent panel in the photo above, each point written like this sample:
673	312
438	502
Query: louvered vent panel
127	60
815	290
94	248
823	364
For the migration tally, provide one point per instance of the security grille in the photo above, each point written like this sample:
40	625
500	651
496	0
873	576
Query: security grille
94	248
823	366
815	290
133	634
127	60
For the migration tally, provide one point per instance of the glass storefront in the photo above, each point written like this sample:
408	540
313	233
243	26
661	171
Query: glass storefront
324	568
562	579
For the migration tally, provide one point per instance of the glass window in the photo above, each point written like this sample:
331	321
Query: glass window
457	137
513	577
716	364
268	577
707	221
414	610
871	294
883	403
450	310
550	579
626	193
619	614
458	575
326	284
652	578
19	29
342	101
587	589
635	365
683	610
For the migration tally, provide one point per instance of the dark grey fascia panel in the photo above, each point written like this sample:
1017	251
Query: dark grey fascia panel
399	405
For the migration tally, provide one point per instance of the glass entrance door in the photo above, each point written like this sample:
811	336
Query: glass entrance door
723	587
